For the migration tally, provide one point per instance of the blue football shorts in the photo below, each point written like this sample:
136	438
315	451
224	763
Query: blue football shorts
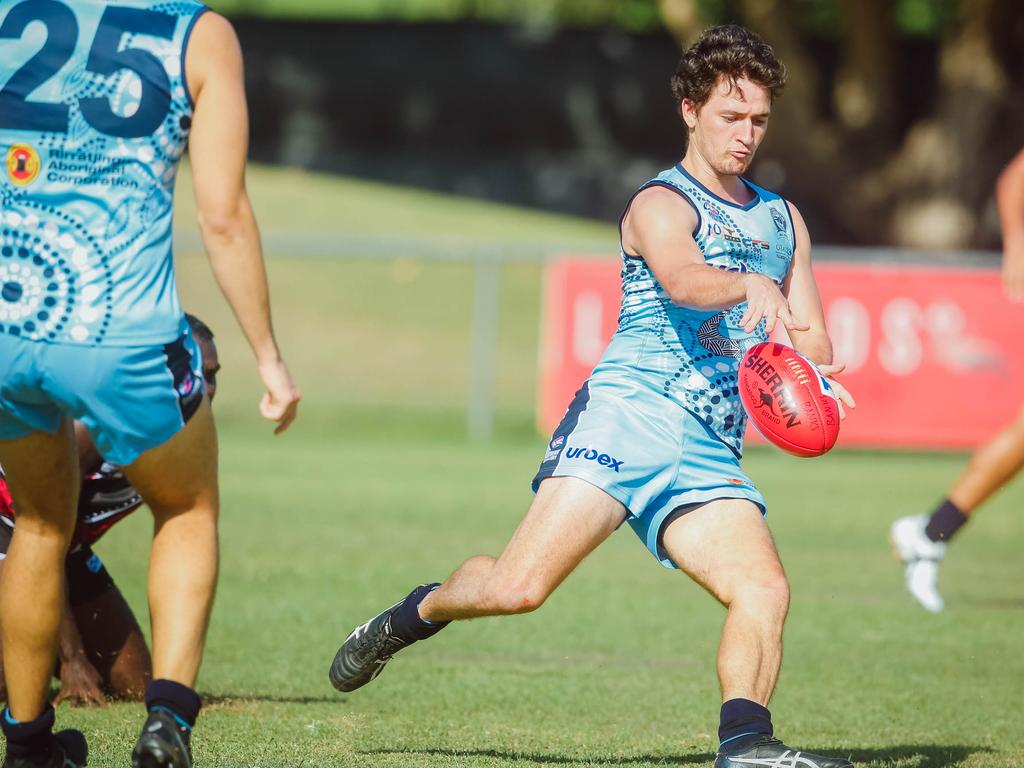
645	451
130	399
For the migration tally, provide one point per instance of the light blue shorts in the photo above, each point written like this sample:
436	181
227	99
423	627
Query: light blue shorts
130	399
645	451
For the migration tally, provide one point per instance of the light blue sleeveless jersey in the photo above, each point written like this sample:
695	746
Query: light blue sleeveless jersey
94	116
689	356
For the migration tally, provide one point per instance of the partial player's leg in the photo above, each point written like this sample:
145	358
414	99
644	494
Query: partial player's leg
178	480
726	547
110	634
990	468
568	519
42	471
920	541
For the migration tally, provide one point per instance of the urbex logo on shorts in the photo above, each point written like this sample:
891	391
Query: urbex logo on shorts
589	454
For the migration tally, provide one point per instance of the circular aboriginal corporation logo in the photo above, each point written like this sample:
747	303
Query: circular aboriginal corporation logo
22	164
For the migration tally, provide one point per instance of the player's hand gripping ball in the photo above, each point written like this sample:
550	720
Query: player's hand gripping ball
788	399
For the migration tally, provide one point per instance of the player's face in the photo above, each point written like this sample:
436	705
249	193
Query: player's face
211	365
728	128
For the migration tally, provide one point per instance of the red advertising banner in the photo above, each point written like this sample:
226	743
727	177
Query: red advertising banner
934	356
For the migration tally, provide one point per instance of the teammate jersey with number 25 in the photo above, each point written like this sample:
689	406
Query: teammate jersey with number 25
94	116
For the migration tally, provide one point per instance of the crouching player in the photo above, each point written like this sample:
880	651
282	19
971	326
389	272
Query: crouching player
102	650
711	263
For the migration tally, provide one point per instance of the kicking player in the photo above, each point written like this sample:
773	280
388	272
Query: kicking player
921	540
99	102
102	649
711	263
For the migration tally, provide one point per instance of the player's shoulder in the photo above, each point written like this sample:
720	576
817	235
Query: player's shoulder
660	206
212	31
770	196
213	51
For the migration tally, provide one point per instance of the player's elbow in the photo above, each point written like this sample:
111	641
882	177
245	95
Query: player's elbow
226	219
221	223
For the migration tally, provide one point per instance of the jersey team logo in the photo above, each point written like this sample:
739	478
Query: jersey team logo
22	164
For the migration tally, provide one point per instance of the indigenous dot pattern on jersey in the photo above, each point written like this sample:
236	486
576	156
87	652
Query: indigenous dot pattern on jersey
694	355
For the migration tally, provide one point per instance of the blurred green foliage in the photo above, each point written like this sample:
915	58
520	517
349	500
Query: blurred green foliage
819	17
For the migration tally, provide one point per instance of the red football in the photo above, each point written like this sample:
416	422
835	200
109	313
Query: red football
790	403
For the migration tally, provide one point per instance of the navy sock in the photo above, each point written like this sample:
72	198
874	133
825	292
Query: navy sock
28	738
945	522
180	700
742	723
406	622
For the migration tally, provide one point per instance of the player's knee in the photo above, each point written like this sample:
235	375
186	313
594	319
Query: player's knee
48	530
517	596
766	593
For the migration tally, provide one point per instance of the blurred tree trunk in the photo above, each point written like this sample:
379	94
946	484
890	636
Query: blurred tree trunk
923	187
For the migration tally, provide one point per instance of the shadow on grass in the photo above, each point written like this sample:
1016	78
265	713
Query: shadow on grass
241	698
911	756
550	759
916	755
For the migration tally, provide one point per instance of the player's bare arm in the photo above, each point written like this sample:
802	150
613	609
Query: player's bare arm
80	682
218	145
659	226
801	290
1010	201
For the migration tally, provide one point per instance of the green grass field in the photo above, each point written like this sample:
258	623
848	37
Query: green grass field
376	489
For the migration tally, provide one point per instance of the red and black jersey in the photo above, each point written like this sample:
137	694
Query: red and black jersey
106	498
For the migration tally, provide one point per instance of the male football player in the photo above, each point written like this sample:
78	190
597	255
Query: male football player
711	262
99	102
102	649
920	540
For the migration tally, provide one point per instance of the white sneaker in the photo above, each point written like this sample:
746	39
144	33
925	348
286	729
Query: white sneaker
921	557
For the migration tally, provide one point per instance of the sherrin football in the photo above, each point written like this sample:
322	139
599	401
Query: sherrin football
788	400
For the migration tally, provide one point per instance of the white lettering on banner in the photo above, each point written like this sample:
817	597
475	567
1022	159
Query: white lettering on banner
587	341
954	347
900	351
849	325
910	333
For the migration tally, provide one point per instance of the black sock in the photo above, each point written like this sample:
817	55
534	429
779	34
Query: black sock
180	700
945	522
26	739
742	723
406	622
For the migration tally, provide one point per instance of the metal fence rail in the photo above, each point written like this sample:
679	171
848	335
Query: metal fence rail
487	256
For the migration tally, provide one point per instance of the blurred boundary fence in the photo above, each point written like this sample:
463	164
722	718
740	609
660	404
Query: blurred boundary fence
487	256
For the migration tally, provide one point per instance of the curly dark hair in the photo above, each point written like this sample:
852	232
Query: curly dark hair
729	51
199	329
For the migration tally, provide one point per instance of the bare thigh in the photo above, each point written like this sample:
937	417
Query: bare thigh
568	519
181	474
725	546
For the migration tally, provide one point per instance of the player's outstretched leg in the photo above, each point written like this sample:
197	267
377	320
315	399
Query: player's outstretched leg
567	520
371	645
726	547
921	557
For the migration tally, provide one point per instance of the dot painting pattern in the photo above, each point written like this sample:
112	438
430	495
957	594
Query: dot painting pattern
700	374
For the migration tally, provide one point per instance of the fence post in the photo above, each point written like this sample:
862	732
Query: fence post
484	353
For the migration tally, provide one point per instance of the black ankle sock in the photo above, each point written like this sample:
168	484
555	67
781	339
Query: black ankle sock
742	723
32	737
945	522
406	622
180	700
